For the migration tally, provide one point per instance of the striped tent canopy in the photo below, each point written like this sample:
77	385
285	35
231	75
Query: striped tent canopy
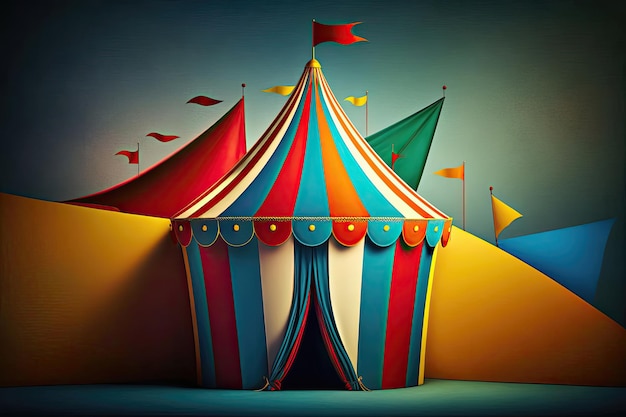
311	219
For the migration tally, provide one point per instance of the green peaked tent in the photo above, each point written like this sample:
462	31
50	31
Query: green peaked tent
411	137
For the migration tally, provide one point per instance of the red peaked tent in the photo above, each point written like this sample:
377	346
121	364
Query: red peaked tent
311	220
165	188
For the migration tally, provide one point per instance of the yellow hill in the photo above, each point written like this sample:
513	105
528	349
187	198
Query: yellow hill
90	296
495	318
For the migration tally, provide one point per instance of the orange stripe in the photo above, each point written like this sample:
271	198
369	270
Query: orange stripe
343	199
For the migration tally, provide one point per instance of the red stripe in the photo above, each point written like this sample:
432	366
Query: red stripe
249	164
281	199
400	316
219	295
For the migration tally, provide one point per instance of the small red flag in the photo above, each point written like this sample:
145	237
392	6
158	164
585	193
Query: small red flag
133	156
394	158
335	33
204	101
162	138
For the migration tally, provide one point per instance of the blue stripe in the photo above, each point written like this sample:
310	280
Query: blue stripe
252	198
202	315
246	280
415	347
371	197
375	289
312	198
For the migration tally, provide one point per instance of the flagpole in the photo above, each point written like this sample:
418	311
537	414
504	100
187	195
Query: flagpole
463	195
137	158
243	86
313	39
494	216
366	104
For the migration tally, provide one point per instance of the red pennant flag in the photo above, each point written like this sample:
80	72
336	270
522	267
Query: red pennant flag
394	158
335	33
133	156
204	101
162	138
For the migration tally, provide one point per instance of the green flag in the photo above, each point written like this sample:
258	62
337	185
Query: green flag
410	137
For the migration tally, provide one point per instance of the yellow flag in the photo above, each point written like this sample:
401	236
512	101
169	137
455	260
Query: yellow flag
357	101
503	215
283	90
456	172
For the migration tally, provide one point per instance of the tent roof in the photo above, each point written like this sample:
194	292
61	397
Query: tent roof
311	174
170	185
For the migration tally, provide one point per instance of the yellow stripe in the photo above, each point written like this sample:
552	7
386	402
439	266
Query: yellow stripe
192	305
420	375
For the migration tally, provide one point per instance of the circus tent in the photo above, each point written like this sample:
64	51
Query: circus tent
310	220
165	188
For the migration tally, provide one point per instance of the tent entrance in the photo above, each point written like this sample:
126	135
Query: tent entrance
312	368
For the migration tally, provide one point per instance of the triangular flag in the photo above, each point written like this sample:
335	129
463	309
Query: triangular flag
283	90
357	101
133	156
413	135
394	158
503	215
456	172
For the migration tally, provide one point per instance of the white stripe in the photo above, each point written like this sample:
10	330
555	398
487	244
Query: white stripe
409	193
233	175
345	269
277	280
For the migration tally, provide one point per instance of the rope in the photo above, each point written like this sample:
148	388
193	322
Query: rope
267	384
360	382
273	386
317	218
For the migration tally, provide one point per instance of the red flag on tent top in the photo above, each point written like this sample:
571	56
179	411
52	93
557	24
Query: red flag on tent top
341	34
133	156
204	101
162	138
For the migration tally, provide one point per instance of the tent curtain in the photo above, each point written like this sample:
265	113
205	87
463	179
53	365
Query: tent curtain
311	271
337	352
296	322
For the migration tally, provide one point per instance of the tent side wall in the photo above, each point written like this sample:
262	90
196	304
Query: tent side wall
242	298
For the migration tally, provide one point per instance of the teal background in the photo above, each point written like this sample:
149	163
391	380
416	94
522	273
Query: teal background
534	104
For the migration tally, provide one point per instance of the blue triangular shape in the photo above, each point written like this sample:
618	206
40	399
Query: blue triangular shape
572	256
